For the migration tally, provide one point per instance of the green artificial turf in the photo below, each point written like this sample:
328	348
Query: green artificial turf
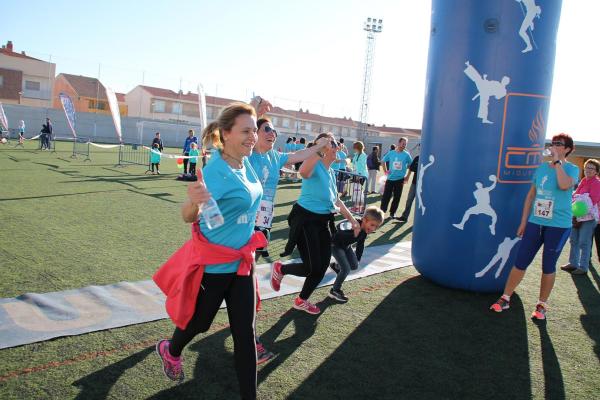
67	223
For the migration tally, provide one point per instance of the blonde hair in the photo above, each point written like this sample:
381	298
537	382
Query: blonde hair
359	146
226	119
374	213
213	133
210	136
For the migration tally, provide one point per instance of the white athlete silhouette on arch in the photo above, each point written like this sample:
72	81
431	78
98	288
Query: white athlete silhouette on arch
531	11
501	255
483	206
486	90
421	173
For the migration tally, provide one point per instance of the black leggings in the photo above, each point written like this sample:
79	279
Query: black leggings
185	162
395	188
314	245
239	294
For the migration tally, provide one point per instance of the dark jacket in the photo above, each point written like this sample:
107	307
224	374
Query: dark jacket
373	161
296	220
159	142
344	237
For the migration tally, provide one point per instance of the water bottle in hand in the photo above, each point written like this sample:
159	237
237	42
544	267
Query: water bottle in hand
212	214
210	210
546	153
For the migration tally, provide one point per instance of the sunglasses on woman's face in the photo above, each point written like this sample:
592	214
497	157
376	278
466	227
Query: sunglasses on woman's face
558	144
268	129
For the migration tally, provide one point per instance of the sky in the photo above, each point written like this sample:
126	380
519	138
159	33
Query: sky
303	54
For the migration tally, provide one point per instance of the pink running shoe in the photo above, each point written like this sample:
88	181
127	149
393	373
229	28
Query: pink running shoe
172	366
539	312
276	276
262	355
500	305
306	305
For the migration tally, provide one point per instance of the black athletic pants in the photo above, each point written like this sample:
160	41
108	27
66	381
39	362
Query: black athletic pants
314	245
395	188
185	162
239	293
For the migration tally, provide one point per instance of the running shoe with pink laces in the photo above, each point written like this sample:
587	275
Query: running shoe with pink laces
539	312
262	354
276	275
172	366
305	305
500	305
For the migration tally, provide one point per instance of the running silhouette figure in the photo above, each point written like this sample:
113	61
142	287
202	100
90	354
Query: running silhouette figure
422	169
482	196
501	255
531	11
486	90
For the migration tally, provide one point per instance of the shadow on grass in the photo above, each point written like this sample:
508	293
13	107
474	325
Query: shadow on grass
97	386
214	374
554	387
590	300
427	342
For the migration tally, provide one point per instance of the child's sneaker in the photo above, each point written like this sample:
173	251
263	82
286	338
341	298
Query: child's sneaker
335	267
540	312
500	305
276	276
172	366
338	295
305	305
262	355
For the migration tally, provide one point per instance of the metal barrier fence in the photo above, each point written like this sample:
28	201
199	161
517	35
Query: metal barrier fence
352	188
134	154
81	147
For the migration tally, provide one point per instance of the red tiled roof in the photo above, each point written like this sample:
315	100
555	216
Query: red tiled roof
86	86
7	52
278	111
189	96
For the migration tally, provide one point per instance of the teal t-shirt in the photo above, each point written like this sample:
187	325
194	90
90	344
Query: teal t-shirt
155	156
267	166
319	192
194	153
360	164
342	164
289	147
237	193
552	206
399	163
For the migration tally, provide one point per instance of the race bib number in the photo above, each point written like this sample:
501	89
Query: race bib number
397	165
543	208
264	216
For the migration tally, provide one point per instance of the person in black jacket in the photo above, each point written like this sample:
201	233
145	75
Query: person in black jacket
346	258
158	141
373	164
413	169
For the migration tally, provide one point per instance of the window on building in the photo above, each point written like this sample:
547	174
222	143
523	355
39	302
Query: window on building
308	126
176	108
158	106
1	81
275	121
326	128
100	105
335	130
32	85
285	123
344	131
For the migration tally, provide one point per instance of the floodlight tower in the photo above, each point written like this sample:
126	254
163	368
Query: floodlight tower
371	26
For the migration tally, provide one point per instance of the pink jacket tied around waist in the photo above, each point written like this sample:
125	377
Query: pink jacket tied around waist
180	277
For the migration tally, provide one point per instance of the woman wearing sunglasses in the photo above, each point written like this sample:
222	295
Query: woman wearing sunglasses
267	162
546	220
311	221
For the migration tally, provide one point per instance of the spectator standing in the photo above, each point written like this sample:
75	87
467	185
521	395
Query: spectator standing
186	149
373	164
